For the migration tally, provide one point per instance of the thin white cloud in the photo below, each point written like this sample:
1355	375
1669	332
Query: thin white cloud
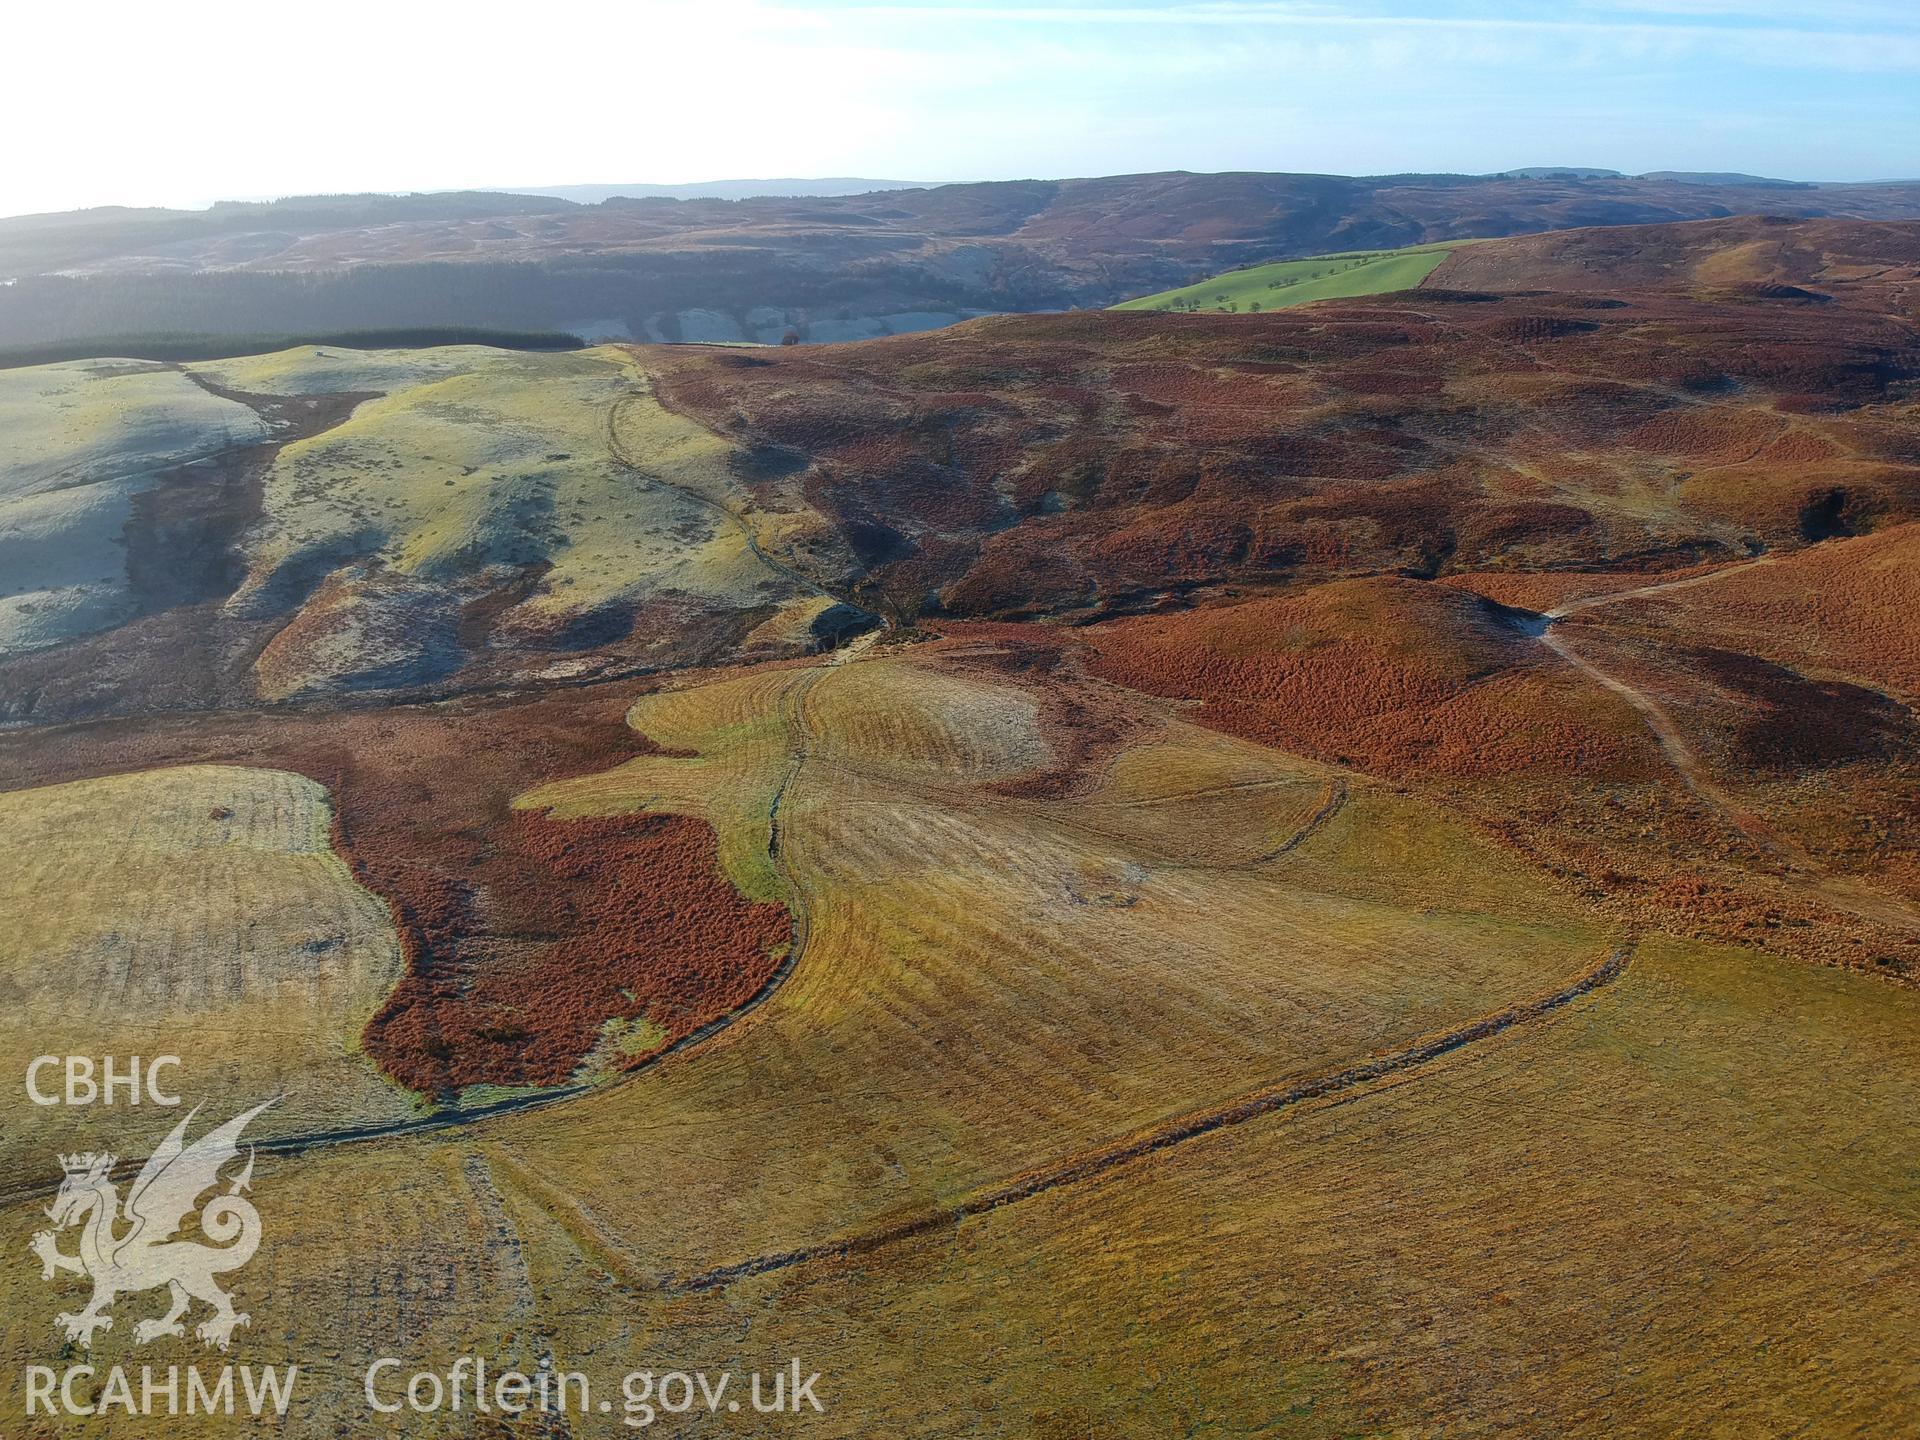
1900	17
1786	46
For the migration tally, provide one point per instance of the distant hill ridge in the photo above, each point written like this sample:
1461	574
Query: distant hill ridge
789	188
1676	177
824	267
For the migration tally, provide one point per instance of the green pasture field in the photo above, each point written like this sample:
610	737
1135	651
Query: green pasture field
1297	282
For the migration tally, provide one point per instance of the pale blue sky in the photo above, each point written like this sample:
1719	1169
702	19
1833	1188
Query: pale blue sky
147	104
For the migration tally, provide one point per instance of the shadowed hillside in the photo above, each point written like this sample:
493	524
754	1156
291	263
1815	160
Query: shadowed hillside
828	267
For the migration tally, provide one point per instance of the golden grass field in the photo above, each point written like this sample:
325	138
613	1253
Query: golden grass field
1631	1215
203	914
1051	949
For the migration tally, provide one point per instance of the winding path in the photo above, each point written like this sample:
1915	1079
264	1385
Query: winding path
1842	891
1673	745
1614	597
1679	754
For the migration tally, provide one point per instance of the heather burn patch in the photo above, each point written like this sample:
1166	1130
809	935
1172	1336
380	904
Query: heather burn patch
651	943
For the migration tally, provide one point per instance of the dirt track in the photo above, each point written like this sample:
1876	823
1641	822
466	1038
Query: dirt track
1844	892
1571	607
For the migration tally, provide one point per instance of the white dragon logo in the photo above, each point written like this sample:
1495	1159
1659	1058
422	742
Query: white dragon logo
146	1256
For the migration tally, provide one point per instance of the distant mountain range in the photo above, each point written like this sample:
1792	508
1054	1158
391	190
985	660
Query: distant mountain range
825	267
787	189
1674	177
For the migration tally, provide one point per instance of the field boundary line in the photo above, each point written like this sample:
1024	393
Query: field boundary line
1087	1164
1334	799
793	710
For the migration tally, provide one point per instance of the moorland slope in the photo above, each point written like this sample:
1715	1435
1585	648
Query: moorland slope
1740	257
1088	464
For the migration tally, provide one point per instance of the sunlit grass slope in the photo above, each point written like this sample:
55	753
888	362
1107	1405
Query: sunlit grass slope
1637	1219
78	443
198	912
1297	282
989	981
472	468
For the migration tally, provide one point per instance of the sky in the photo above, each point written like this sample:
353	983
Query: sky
145	104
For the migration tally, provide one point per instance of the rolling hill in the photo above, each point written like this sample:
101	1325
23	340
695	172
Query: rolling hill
1748	254
1093	464
412	522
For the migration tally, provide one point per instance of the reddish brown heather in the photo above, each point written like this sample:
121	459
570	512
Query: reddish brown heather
1743	258
1847	608
522	934
588	920
1092	464
1394	676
